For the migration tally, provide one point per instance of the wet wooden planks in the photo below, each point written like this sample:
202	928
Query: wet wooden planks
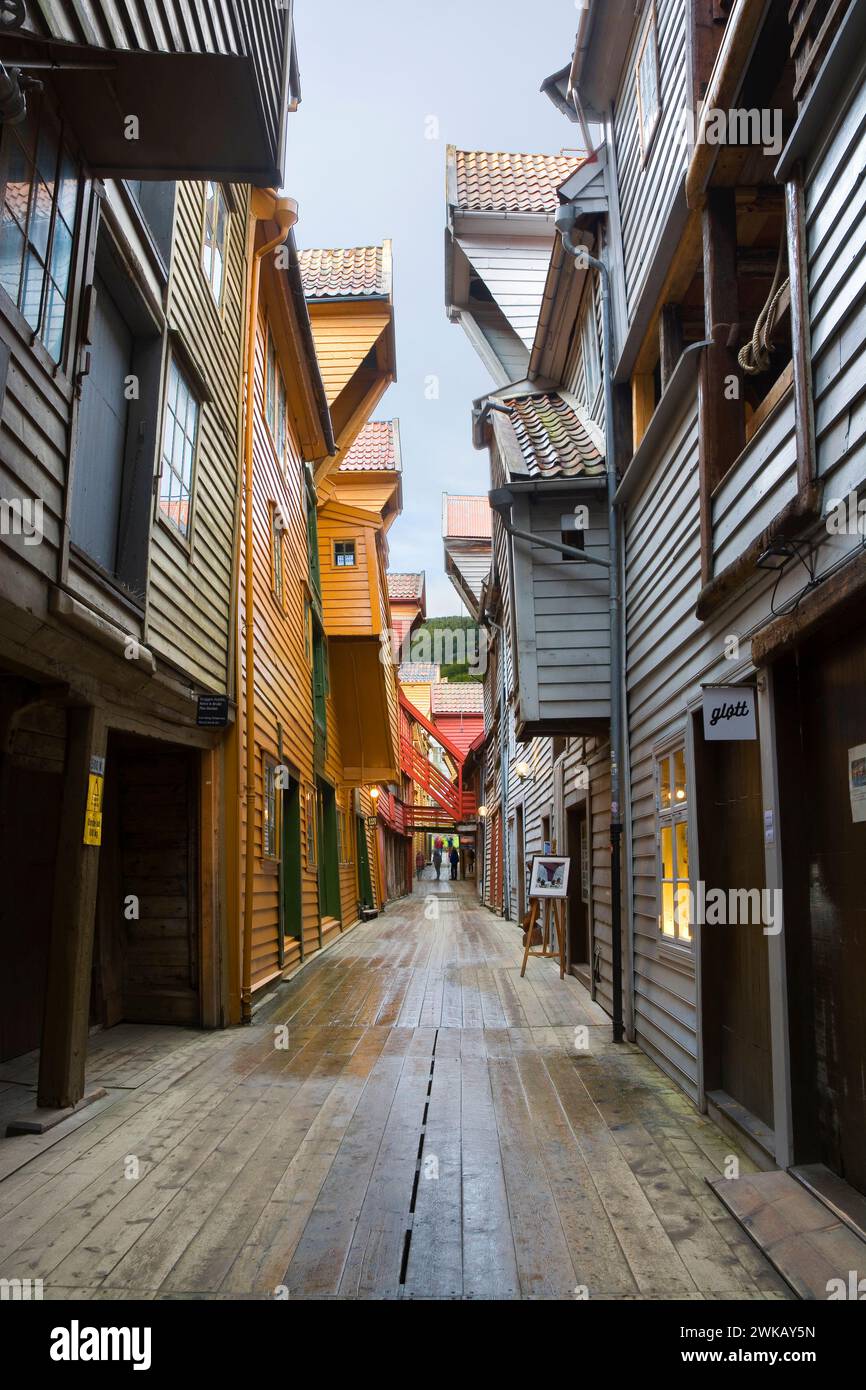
405	1119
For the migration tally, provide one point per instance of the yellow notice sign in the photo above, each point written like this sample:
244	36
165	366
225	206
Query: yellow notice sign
93	814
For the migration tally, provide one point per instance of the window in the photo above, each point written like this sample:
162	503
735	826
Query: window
584	861
313	542
311	805
216	225
270	812
591	362
344	554
275	400
648	84
39	211
573	535
276	552
179	438
346	831
673	846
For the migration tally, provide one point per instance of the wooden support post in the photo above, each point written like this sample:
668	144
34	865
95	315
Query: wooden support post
721	408
67	996
670	341
643	404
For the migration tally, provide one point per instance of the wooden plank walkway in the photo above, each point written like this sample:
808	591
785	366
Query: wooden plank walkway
406	1119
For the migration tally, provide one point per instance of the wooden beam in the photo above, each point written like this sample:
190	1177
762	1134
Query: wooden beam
643	404
67	996
721	408
801	343
685	266
670	341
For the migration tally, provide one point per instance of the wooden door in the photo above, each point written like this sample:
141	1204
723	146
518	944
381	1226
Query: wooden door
291	918
827	983
151	815
520	860
102	429
578	891
734	959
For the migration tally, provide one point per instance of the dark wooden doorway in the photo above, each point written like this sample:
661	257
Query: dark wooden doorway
821	715
146	960
579	949
520	855
735	983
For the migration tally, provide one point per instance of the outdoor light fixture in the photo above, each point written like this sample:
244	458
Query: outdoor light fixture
482	812
374	793
776	556
523	770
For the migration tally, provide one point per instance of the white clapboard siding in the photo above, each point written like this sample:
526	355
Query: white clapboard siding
836	248
761	482
570	616
514	269
502	342
647	191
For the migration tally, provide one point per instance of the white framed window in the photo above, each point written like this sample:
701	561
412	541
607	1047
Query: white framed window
311	807
648	83
276	401
276	552
270	810
215	240
179	443
672	811
591	356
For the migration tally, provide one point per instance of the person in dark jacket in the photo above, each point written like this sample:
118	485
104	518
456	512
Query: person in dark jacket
454	860
437	861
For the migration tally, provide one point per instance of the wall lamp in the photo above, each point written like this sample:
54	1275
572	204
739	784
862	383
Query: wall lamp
482	812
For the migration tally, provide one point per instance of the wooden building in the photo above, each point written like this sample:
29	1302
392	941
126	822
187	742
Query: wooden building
122	331
407	594
738	350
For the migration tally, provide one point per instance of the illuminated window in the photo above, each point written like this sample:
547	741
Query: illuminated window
673	846
648	83
216	226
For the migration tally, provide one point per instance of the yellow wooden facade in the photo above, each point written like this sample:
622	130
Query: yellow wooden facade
308	641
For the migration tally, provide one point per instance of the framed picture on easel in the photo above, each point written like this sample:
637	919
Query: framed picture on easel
549	876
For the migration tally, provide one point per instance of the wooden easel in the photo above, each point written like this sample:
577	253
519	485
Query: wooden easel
554	914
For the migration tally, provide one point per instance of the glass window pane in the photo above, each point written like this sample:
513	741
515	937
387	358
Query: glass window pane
679	776
48	151
11	255
67	192
667	853
665	783
31	297
54	319
61	256
682	842
667	923
40	219
684	929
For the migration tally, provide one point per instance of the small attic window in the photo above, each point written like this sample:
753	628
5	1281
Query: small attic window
478	290
648	83
572	533
344	554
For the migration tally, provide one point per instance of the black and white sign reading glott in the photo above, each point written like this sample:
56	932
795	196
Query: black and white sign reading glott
729	713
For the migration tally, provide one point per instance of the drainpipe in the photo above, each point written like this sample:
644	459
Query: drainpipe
283	211
565	221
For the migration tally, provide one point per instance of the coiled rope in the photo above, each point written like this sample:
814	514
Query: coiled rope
755	357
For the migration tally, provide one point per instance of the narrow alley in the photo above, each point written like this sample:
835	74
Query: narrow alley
406	1118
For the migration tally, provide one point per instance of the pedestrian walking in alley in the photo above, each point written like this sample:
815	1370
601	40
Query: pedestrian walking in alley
420	861
454	860
437	861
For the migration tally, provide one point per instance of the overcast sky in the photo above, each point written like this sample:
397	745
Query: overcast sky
362	168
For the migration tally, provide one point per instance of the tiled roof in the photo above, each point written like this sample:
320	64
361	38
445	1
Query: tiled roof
458	697
407	587
467	518
488	182
418	673
553	440
376	449
344	273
